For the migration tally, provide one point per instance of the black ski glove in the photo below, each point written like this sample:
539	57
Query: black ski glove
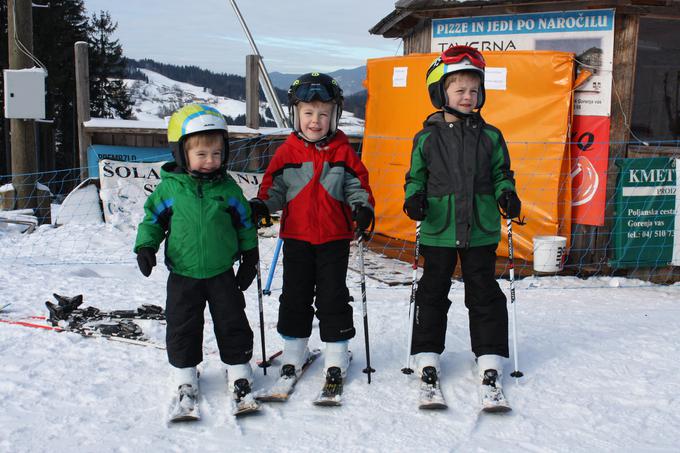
363	216
259	211
510	204
415	206
146	260
247	270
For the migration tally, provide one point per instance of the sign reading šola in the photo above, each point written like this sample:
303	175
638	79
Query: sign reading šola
125	187
646	228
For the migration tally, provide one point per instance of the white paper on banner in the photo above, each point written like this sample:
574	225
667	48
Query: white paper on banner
496	78
675	261
399	77
125	186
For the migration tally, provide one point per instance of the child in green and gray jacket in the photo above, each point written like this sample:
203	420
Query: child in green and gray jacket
459	176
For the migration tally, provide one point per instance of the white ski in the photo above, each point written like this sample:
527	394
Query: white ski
431	396
491	395
243	401
284	385
185	404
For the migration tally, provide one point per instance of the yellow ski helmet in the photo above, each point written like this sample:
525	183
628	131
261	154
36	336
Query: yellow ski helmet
192	119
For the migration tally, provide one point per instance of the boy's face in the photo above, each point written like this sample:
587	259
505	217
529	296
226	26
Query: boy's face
462	92
205	157
315	119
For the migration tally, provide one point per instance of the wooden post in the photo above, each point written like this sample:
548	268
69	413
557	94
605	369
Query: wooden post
623	84
82	103
252	92
24	167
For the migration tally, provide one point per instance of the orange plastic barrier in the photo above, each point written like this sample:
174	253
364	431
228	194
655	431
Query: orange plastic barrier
533	112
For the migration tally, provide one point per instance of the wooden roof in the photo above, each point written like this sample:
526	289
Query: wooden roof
408	14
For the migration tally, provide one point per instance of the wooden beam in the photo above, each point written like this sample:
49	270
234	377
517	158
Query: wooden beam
623	83
82	103
252	91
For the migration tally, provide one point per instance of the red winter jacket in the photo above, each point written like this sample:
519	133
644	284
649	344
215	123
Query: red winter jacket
317	189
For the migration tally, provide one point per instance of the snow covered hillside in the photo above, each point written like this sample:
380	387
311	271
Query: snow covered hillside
600	358
161	96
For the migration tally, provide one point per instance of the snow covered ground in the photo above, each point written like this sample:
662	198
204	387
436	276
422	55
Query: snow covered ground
600	358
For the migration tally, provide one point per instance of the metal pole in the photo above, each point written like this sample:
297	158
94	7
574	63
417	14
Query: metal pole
265	363
360	242
268	88
511	264
412	303
267	287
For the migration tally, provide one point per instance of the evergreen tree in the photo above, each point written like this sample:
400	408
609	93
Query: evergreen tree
108	96
55	30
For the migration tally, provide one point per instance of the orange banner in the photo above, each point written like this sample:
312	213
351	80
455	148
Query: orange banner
529	98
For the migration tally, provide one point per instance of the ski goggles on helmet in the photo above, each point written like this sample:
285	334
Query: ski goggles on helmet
308	92
456	54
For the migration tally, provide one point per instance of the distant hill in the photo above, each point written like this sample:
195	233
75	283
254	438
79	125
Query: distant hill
351	80
233	86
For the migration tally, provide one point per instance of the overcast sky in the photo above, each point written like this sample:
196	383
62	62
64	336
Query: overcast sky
294	36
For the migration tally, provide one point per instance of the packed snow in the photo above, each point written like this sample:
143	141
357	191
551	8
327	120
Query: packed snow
600	358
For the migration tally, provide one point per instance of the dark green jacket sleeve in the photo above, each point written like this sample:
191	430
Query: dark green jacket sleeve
416	177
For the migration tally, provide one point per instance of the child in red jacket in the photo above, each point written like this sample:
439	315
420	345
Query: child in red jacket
322	186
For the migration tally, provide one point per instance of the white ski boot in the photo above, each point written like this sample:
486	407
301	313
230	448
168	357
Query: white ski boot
240	379
185	401
427	367
491	394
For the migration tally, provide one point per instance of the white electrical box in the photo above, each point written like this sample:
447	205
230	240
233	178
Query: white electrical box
25	93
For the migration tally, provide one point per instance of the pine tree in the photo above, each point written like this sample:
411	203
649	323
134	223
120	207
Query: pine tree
108	95
55	30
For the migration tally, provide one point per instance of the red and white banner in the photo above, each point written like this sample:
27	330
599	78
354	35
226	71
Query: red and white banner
589	162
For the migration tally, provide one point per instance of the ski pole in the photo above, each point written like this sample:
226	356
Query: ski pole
511	264
412	303
265	363
368	370
267	288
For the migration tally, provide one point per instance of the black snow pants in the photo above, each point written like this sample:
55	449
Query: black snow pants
184	312
315	270
486	303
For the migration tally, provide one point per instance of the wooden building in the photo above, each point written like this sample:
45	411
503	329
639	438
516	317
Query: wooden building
645	99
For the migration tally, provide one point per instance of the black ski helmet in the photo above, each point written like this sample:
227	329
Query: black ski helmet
452	60
315	86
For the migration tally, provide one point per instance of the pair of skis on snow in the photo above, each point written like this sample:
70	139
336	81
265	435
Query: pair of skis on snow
331	392
491	395
185	405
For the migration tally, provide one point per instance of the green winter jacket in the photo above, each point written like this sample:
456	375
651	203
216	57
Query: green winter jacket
205	224
462	167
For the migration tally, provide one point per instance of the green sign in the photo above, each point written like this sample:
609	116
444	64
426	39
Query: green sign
644	223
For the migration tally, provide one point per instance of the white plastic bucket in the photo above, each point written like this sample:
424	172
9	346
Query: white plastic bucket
549	253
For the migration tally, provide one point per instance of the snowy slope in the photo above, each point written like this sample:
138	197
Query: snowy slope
160	96
600	358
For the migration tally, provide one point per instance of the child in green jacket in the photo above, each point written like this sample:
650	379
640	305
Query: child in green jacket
460	174
202	215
